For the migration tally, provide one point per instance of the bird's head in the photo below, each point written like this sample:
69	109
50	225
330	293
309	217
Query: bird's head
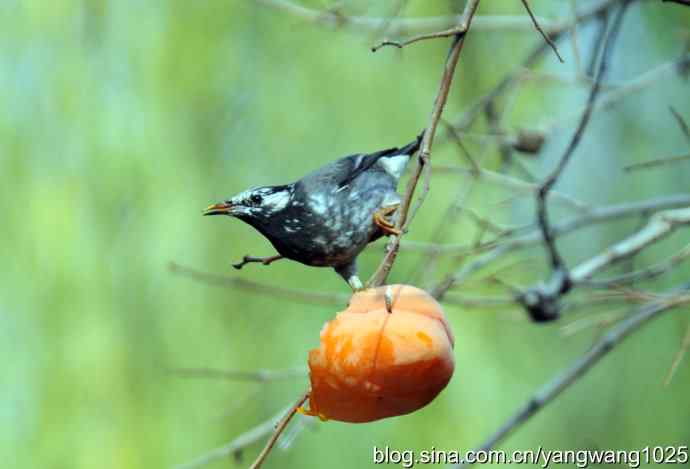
254	204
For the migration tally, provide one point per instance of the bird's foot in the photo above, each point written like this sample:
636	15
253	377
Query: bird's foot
381	220
251	259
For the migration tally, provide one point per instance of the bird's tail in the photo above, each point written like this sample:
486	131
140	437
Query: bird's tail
411	147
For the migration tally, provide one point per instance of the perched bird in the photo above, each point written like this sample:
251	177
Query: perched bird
329	216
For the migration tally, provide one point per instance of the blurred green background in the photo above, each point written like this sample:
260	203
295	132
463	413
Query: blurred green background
121	120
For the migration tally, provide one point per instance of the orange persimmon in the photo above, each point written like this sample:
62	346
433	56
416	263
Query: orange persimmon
381	357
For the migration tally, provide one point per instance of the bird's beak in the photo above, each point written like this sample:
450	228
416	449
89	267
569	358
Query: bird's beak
221	208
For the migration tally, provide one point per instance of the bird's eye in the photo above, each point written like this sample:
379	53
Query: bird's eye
256	199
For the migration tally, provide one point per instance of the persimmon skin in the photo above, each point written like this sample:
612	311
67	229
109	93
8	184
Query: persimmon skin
373	364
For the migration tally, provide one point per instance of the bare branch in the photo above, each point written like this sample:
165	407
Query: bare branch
411	26
541	302
560	383
294	294
407	26
235	446
423	158
279	430
681	123
259	376
643	274
657	162
461	29
541	31
647	79
679	357
659	226
512	183
593	10
494	251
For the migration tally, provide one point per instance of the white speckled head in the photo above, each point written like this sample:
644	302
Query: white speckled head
260	200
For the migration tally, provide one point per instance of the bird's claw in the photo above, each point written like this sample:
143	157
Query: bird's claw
382	222
251	259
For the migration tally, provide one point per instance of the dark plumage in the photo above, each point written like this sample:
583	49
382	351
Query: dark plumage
328	217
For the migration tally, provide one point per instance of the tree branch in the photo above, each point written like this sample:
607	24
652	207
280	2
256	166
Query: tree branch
541	31
560	383
542	301
493	251
659	226
235	446
259	376
279	430
304	296
379	277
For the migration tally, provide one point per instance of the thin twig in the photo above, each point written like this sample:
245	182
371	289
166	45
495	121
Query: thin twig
542	301
575	43
660	225
475	168
643	274
421	37
541	31
592	11
279	430
259	376
681	122
410	26
512	183
679	357
563	381
235	446
655	163
645	80
493	251
423	159
312	296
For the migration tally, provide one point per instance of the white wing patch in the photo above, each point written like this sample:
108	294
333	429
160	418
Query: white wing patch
318	203
394	165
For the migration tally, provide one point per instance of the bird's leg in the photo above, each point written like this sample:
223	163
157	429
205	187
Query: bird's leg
250	259
381	220
349	273
355	283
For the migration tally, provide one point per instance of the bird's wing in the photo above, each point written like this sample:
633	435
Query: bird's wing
362	162
354	165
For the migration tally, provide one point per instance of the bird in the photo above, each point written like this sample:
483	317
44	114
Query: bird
326	218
